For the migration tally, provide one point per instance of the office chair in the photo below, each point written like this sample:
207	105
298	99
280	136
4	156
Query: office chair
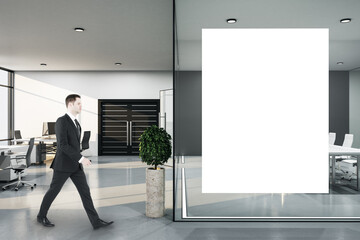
85	140
18	136
332	137
339	168
19	167
348	141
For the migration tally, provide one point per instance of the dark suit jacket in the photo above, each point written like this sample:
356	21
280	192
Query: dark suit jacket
68	146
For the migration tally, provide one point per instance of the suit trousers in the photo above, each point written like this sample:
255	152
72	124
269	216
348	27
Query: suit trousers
79	179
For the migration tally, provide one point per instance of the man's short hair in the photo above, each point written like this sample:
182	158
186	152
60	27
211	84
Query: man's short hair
71	98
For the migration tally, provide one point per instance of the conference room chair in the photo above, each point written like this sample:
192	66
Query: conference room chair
332	137
18	165
348	141
85	140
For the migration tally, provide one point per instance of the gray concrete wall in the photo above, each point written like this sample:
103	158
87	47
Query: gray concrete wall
188	113
339	104
354	106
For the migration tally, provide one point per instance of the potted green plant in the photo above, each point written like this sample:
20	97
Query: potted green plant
155	150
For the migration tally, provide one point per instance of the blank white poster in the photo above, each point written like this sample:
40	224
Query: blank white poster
265	111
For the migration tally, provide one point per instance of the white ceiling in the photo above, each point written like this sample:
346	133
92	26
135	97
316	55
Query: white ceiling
138	33
344	44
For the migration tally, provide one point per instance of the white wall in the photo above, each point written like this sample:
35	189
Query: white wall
40	96
354	110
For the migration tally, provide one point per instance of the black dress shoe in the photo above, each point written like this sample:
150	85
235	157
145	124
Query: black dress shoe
101	223
44	221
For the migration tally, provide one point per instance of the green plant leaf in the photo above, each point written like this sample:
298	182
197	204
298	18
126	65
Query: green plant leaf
155	146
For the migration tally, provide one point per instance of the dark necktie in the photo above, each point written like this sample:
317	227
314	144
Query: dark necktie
78	127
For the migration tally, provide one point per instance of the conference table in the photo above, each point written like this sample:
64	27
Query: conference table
335	150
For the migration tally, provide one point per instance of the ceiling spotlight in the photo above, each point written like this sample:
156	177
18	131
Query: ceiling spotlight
231	20
43	64
79	29
118	64
340	63
345	20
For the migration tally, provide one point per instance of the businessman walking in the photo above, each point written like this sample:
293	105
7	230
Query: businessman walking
68	163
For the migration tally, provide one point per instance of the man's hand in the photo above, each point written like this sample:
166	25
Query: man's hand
86	162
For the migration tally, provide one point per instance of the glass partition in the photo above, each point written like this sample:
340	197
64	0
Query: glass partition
190	202
166	111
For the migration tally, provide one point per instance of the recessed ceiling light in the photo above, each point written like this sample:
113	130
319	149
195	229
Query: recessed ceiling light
345	20
231	20
118	64
340	63
43	64
79	29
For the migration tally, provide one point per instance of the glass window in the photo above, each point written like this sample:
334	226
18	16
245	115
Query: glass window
4	103
4	80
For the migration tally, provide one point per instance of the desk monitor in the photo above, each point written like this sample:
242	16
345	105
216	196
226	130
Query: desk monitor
48	128
17	134
51	128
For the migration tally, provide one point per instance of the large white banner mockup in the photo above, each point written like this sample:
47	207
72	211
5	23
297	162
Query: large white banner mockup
265	111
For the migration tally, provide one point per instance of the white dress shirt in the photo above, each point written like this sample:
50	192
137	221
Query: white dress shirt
73	119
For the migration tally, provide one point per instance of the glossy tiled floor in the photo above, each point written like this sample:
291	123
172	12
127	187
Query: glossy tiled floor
340	203
118	189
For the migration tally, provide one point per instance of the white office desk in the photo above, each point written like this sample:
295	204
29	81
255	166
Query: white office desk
37	139
335	150
7	147
36	156
13	148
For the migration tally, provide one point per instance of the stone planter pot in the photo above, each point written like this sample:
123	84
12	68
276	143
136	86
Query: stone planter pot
155	192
